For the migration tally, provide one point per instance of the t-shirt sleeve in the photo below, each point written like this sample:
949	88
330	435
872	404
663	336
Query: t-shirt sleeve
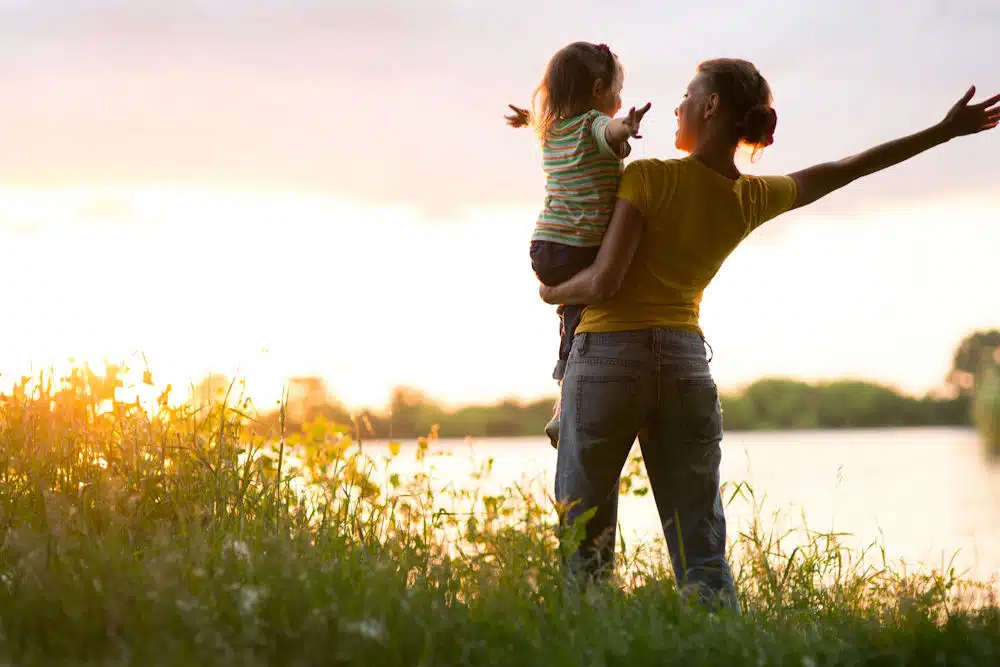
599	127
776	195
647	185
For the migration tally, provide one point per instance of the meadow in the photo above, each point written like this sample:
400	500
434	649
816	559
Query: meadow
167	533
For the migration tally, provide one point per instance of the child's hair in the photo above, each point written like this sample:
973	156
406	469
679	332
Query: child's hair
568	84
746	96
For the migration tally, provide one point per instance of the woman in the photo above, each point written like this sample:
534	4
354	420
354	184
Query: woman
638	364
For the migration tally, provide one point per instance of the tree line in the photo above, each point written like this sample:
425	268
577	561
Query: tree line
767	404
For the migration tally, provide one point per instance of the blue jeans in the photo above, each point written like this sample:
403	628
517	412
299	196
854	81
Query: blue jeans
656	385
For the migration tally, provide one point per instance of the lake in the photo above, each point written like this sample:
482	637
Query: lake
924	494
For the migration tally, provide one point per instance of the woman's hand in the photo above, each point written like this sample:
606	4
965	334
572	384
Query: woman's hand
820	180
965	118
545	292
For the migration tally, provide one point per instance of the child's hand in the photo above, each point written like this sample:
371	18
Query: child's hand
964	118
520	117
634	118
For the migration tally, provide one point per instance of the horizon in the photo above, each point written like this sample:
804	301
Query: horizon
264	191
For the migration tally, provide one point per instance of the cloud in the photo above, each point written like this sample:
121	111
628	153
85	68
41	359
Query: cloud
402	102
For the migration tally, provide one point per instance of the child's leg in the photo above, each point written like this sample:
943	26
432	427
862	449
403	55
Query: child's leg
554	263
570	318
552	428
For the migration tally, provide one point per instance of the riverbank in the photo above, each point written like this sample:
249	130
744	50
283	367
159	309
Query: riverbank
767	404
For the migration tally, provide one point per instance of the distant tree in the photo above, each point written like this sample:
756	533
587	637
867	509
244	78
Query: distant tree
986	409
778	403
774	403
411	411
976	352
309	397
211	389
767	404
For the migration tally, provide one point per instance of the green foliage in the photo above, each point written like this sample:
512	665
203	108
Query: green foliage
986	410
179	535
775	404
767	404
976	353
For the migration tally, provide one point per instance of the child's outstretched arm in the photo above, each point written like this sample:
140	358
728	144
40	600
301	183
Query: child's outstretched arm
520	117
619	130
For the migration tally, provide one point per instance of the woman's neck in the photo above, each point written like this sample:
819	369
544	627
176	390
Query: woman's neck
718	156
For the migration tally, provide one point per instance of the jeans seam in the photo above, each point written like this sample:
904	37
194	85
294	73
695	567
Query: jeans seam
604	361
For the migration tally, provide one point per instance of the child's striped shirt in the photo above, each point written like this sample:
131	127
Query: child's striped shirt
582	172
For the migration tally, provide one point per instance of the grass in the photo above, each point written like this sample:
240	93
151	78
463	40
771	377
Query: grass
178	536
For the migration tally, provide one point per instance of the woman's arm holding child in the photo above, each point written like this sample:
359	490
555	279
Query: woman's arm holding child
602	279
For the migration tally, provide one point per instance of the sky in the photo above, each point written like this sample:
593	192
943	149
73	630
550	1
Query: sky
280	188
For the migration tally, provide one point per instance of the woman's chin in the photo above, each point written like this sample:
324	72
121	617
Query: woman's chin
683	143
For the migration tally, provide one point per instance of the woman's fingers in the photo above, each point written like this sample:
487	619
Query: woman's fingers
968	96
986	104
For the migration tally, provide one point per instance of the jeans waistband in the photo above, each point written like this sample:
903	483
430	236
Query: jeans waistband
661	335
660	338
680	351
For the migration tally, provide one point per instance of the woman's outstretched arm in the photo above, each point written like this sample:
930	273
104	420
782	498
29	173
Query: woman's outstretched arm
602	279
820	180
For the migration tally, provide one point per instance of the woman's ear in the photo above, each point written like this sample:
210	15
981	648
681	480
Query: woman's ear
711	106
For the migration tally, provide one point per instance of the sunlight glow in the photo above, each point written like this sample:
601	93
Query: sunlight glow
269	285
